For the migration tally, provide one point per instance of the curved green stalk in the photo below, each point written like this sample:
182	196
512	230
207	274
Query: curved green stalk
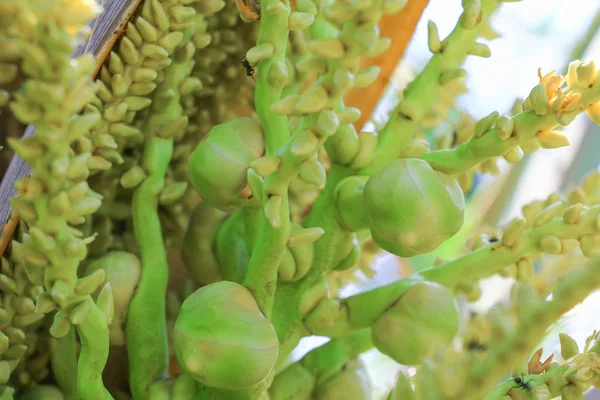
93	333
146	326
64	364
489	259
337	351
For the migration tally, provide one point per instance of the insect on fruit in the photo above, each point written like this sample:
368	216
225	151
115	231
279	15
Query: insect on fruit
249	68
521	384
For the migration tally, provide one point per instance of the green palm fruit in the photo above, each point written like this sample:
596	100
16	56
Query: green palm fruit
412	208
425	317
122	270
352	382
218	166
222	339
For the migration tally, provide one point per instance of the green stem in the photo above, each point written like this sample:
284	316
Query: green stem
261	278
341	317
336	317
330	357
274	30
268	251
146	328
424	91
510	185
93	333
64	364
576	286
491	258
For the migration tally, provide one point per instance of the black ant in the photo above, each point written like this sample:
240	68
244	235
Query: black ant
493	239
521	384
249	68
476	346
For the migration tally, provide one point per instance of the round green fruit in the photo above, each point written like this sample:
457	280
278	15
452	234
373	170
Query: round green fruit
412	208
219	164
222	339
425	317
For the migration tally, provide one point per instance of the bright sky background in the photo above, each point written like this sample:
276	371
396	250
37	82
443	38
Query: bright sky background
534	34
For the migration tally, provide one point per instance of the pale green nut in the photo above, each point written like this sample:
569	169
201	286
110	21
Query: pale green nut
222	339
412	208
122	271
219	164
426	317
351	383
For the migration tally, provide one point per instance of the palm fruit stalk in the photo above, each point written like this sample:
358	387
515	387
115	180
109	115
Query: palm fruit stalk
146	330
442	69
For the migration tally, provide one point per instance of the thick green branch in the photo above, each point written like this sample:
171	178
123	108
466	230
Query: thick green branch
424	89
573	290
527	125
146	329
273	30
493	257
94	336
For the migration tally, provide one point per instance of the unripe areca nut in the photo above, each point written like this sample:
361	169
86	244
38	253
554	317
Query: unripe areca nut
219	164
351	383
412	208
222	339
424	318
